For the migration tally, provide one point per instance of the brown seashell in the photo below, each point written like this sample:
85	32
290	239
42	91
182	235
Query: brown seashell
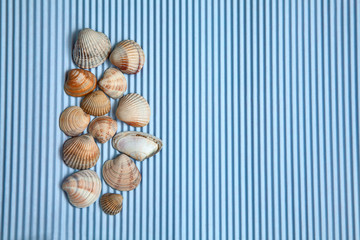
121	173
113	83
128	56
79	82
103	128
96	103
111	203
134	110
81	152
73	121
83	188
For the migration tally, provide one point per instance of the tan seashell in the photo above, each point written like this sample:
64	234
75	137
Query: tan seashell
111	203
91	48
128	56
121	173
96	103
79	82
81	152
134	110
113	83
137	145
83	188
103	128
73	121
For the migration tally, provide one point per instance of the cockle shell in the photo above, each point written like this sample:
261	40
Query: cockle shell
113	83
121	173
128	56
79	82
81	152
134	110
73	121
111	203
103	128
91	48
96	103
83	188
137	145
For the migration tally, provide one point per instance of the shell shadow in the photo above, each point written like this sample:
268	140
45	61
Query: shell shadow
72	39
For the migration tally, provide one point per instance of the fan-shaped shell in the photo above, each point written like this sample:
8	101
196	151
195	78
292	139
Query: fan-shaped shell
91	48
83	188
81	152
134	110
111	203
96	103
113	83
128	56
121	173
79	82
73	121
137	145
103	128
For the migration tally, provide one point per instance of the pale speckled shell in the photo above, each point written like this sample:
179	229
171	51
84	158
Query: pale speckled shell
137	145
103	128
96	103
91	48
134	110
83	188
73	121
79	82
128	56
111	203
81	152
121	173
113	83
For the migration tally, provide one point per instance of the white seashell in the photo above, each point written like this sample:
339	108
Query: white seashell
134	110
113	83
73	121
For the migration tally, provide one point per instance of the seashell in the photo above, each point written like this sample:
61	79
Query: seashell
79	82
134	110
103	128
81	152
137	145
113	83
111	203
91	48
121	173
128	56
73	121
96	103
83	188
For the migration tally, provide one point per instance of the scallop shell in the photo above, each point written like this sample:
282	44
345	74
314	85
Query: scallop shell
137	145
134	110
73	121
83	188
113	83
111	203
91	48
103	128
81	152
128	56
79	82
96	103
121	173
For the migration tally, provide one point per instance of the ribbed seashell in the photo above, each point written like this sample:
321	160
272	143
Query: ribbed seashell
137	145
128	56
81	152
103	128
121	173
111	203
113	83
91	48
134	110
83	188
96	103
73	121
79	82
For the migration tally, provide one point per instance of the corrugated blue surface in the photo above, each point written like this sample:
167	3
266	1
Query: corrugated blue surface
256	102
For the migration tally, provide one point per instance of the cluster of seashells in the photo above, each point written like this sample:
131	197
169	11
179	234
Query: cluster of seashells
81	152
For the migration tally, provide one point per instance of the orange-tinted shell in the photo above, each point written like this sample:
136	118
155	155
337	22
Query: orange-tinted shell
96	103
73	121
79	82
134	110
103	128
113	83
111	203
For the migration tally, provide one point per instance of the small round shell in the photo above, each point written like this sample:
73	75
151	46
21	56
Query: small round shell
79	82
113	83
134	110
73	121
103	128
96	103
111	203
